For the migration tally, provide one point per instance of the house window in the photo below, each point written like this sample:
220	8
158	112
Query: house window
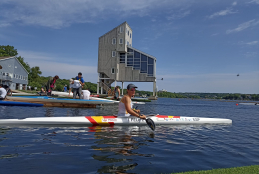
114	41
121	29
113	53
113	71
121	41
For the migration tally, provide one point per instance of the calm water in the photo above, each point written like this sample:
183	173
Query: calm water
132	149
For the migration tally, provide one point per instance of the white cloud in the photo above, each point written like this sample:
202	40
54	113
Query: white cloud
222	13
252	43
243	26
54	65
254	1
234	3
58	14
4	24
247	43
178	15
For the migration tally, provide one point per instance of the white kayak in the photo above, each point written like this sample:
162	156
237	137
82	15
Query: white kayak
113	120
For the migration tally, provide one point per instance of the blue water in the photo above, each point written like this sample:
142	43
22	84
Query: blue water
132	149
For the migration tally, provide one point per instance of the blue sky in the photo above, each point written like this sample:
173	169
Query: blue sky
200	45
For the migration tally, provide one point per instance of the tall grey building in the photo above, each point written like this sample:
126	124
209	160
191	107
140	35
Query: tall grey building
12	73
118	61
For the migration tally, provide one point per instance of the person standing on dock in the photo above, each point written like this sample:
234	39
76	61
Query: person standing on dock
117	93
65	88
75	86
51	84
2	92
125	105
81	79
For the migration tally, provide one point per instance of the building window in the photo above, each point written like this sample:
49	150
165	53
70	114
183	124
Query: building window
121	29
114	41
113	71
113	53
127	42
121	41
122	57
130	35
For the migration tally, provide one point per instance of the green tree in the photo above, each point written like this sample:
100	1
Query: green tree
34	73
7	51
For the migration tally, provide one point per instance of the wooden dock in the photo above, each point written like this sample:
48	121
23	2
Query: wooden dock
77	103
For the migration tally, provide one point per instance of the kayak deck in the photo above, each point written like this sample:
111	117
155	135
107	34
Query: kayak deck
113	120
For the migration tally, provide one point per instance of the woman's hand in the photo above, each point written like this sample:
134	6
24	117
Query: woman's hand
142	116
137	111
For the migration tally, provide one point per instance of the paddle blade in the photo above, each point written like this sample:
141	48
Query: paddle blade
151	124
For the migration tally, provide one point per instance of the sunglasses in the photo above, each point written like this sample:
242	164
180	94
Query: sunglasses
132	89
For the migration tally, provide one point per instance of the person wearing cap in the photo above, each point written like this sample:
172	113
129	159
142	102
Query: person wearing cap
125	105
51	84
2	92
75	86
81	79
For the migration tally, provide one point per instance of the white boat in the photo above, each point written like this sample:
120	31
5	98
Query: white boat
92	98
113	120
96	98
249	104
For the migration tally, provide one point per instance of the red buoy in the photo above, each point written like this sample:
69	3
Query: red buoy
237	104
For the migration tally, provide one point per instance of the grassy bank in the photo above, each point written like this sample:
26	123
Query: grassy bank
235	170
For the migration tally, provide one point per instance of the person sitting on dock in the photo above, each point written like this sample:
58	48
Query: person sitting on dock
42	91
8	90
125	105
75	86
2	92
51	84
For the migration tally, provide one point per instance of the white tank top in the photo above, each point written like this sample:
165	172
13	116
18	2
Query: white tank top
122	109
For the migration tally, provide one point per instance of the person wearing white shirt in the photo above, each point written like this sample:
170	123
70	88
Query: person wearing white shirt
2	92
75	85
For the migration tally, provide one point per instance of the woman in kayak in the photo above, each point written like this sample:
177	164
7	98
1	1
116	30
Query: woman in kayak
125	105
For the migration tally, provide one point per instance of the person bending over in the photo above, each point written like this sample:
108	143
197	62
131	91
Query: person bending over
2	92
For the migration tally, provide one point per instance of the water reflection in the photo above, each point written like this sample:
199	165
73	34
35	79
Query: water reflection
117	145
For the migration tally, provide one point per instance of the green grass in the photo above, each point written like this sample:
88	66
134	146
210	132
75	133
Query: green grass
235	170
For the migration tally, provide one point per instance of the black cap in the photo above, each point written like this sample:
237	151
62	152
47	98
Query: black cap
79	73
130	86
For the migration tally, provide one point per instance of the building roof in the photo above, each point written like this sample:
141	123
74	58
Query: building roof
10	57
141	52
115	28
1	58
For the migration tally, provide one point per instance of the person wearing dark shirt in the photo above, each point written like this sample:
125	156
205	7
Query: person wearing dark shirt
81	79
